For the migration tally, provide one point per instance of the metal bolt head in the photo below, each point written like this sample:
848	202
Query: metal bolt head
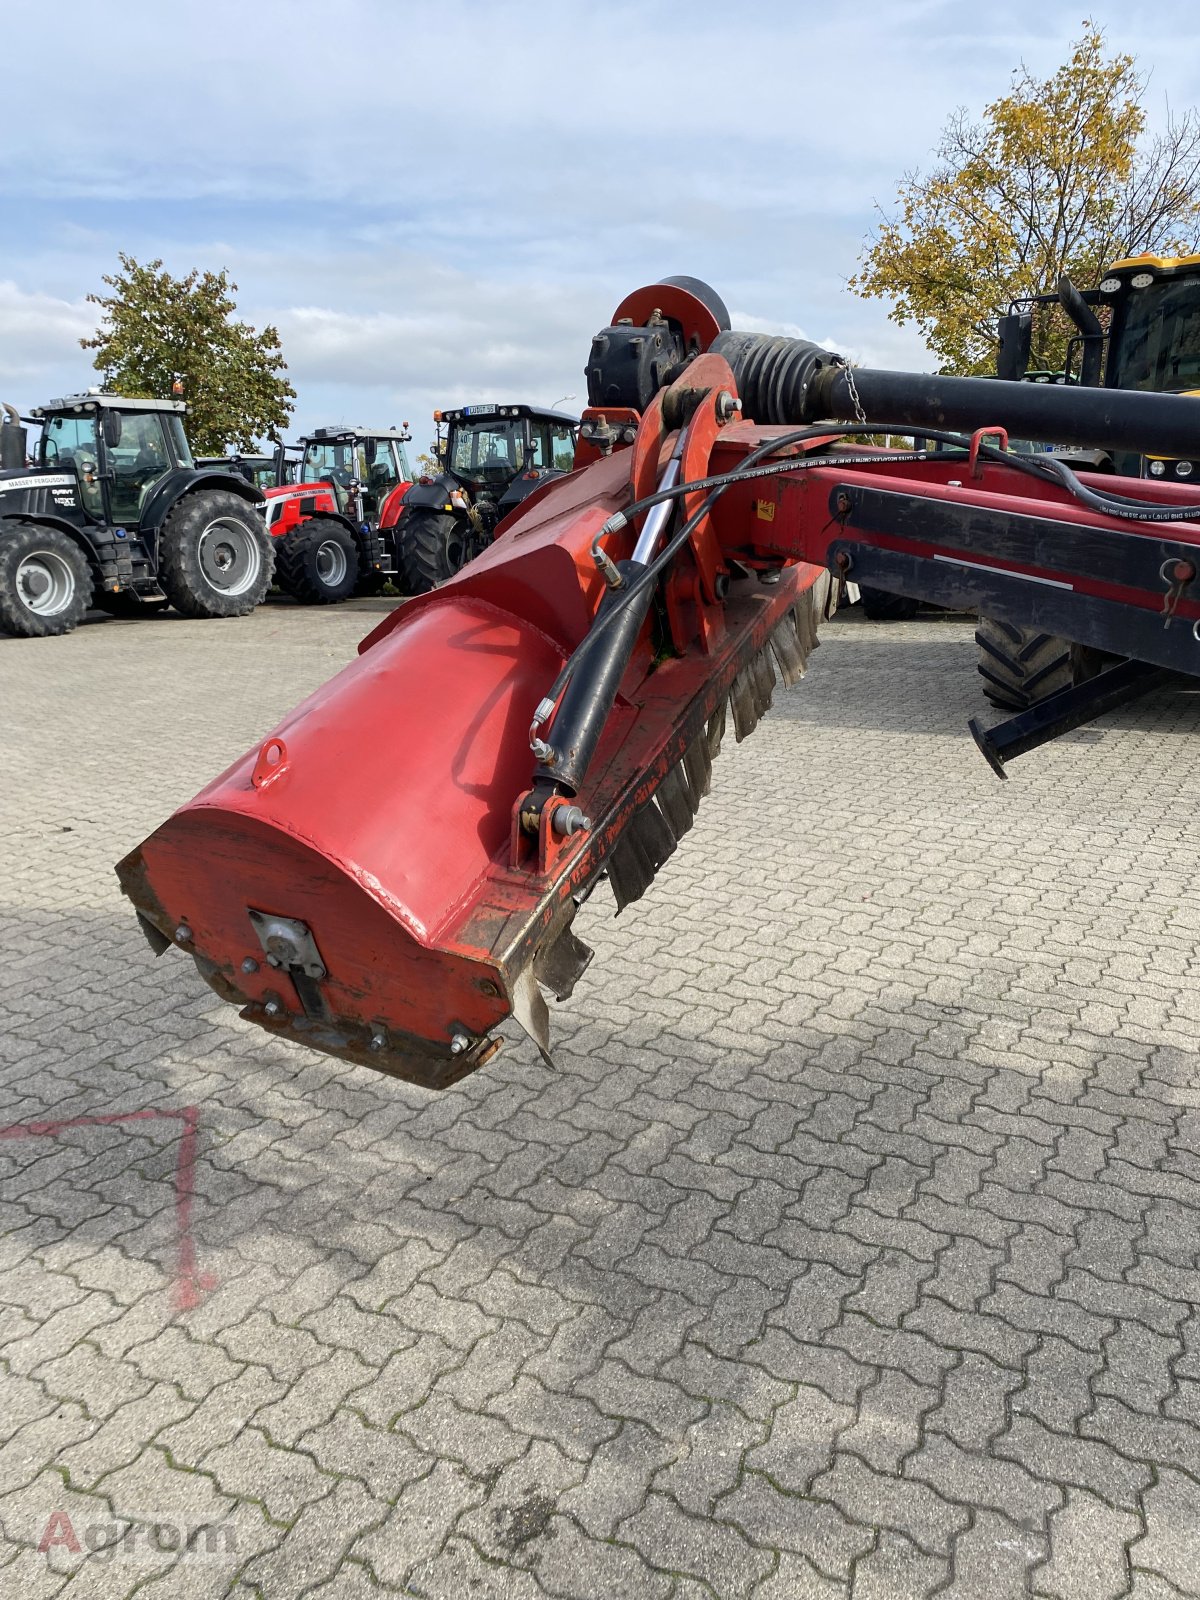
183	933
249	964
273	1008
459	1043
570	819
377	1041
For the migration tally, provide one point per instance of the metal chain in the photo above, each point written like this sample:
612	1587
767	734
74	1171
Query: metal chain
859	414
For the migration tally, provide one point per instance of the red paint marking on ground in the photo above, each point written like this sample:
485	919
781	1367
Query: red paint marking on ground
188	1285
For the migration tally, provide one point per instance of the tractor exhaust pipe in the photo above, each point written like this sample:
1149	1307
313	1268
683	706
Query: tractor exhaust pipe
13	439
792	382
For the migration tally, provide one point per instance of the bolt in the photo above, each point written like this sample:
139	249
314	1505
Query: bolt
459	1043
727	405
273	1008
570	819
274	961
844	504
183	933
378	1041
249	964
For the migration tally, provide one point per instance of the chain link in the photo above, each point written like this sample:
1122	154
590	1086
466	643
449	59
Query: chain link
859	414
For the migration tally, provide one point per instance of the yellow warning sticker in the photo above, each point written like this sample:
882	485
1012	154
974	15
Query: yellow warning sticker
765	510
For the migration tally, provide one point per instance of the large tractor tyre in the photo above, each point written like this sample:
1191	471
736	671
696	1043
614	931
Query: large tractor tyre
1021	667
433	546
317	563
880	606
45	581
215	556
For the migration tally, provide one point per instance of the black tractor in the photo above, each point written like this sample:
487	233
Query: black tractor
492	457
114	513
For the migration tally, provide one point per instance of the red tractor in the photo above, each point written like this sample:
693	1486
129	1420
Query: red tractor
331	527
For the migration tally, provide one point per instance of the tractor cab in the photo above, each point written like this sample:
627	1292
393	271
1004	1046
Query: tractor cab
358	464
488	447
119	449
1139	328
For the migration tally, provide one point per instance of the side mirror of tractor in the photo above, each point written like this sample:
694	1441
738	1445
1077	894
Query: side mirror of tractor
112	428
1016	337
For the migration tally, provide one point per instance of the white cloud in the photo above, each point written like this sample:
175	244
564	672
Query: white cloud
39	337
440	202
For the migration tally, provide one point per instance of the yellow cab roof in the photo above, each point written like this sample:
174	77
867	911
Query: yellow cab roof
1156	263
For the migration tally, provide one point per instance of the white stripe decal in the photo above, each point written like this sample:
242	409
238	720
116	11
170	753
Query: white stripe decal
1004	572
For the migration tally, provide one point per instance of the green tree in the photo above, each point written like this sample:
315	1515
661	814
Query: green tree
156	328
1058	176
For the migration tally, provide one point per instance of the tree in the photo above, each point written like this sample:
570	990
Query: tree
1057	177
157	328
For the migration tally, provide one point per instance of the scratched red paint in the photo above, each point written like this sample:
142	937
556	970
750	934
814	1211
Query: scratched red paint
188	1285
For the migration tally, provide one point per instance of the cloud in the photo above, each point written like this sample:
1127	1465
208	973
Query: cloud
441	202
39	335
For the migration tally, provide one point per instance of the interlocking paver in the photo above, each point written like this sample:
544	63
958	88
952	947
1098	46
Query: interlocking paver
851	1250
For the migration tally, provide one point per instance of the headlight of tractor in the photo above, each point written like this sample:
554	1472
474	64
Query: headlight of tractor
458	500
1183	469
1157	468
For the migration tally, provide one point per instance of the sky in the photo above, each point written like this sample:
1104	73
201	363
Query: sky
441	203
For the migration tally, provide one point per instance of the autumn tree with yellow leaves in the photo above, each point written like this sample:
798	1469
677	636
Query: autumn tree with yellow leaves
1058	176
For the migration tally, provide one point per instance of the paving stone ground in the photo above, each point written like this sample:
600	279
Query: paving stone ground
852	1249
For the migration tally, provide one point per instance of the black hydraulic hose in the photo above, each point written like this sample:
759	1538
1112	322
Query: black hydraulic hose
589	697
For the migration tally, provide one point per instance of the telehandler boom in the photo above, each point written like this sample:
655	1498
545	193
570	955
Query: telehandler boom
390	873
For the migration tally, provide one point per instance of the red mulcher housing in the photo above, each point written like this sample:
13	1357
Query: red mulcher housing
395	869
333	526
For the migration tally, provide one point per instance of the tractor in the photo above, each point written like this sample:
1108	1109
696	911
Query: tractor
332	525
116	513
492	458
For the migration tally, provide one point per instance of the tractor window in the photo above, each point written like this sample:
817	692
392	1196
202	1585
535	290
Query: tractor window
69	444
1158	338
488	449
553	445
137	461
179	441
328	462
379	474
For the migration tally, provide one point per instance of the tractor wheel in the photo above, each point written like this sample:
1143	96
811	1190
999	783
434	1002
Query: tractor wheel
880	606
432	546
45	581
215	556
1021	666
317	563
